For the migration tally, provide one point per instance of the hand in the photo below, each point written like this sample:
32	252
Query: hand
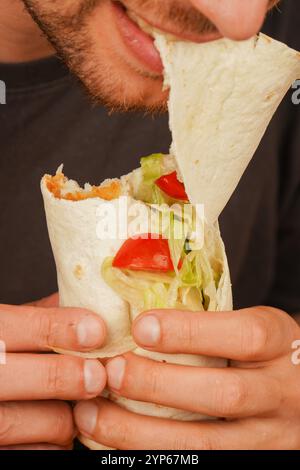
33	384
259	393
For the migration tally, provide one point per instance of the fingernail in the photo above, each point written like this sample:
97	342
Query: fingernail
147	331
115	370
89	332
94	380
86	414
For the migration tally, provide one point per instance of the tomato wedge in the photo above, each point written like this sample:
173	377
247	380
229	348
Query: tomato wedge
171	185
144	254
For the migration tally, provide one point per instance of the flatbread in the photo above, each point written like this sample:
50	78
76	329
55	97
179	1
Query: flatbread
223	95
79	254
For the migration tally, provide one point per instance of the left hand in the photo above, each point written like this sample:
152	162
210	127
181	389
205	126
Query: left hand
259	395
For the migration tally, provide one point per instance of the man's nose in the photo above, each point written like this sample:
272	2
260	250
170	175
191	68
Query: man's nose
235	19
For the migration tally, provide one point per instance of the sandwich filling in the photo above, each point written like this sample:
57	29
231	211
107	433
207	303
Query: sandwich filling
165	269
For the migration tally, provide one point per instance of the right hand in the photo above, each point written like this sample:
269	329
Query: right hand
35	385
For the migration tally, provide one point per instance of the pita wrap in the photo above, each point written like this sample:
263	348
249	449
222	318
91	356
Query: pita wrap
83	260
80	251
222	97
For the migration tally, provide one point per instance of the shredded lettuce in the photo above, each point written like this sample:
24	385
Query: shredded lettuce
193	288
189	274
197	270
177	237
152	168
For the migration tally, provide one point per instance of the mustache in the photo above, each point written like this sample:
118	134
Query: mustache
183	18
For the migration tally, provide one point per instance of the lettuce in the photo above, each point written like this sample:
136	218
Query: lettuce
178	230
141	289
193	288
194	282
152	168
190	275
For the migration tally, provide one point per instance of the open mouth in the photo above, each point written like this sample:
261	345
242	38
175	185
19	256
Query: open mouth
137	35
138	41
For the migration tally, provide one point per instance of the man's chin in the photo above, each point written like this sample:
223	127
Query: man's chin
153	103
124	91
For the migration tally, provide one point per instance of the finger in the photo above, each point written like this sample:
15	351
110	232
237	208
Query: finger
37	447
36	422
45	302
260	333
25	328
224	392
50	376
104	422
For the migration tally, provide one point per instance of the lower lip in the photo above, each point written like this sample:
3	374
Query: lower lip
138	42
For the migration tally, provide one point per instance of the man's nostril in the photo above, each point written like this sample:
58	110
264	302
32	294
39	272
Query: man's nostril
235	19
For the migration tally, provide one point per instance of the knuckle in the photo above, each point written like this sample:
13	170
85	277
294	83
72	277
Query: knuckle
64	375
276	394
63	429
203	442
153	382
55	376
43	328
232	396
255	337
182	442
187	334
198	443
273	330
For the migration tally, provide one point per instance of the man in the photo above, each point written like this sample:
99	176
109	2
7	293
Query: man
46	120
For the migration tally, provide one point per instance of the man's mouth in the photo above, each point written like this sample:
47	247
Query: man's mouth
139	42
137	35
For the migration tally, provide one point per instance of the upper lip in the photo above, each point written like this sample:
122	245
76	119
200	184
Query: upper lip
188	36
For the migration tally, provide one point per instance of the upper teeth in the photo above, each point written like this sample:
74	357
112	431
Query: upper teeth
151	30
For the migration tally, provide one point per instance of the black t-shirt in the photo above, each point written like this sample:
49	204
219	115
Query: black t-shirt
48	120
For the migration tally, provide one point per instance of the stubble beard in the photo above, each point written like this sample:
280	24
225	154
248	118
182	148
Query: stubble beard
106	80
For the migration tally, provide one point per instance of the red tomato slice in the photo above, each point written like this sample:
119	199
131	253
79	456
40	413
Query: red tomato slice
171	185
144	254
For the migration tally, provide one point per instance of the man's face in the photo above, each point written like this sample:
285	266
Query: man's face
114	58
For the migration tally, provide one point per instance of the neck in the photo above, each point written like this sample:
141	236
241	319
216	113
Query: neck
20	38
